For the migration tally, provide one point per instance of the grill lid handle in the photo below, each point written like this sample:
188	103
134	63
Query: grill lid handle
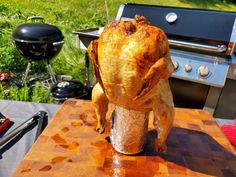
204	47
58	43
35	18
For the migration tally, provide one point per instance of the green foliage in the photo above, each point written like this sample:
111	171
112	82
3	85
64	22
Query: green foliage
2	94
40	94
13	93
35	94
24	93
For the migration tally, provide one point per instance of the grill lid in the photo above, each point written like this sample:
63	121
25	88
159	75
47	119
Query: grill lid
214	29
191	23
37	32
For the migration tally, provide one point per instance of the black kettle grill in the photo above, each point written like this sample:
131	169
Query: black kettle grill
38	41
70	89
41	41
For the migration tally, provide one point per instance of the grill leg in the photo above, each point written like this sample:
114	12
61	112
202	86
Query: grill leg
212	99
27	72
51	73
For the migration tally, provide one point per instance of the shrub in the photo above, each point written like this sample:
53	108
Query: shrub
24	93
35	94
39	93
2	94
13	93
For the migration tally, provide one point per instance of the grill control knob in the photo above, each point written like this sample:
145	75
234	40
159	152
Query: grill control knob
188	68
203	71
176	64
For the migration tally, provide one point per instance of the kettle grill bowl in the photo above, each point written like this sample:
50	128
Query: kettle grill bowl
38	50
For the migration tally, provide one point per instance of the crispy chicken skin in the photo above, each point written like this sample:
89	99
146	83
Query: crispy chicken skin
132	64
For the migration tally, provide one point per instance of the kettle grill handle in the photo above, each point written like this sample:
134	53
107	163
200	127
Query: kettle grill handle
34	18
58	43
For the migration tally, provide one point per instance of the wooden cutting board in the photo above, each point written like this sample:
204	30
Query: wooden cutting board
70	147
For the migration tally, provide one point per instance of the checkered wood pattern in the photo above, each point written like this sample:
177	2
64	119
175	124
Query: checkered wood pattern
70	147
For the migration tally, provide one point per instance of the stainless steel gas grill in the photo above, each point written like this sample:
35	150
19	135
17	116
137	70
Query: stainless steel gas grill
202	50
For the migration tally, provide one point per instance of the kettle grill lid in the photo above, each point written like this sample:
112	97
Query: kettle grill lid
68	89
37	32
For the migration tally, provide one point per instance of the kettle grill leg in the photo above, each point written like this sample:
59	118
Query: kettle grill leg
27	72
51	73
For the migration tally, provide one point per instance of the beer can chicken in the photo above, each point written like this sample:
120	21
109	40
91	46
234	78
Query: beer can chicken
132	64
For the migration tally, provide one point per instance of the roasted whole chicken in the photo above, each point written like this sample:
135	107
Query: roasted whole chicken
132	64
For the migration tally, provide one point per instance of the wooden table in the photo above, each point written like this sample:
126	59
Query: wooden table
70	147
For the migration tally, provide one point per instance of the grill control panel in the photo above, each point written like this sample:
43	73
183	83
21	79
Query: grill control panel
199	68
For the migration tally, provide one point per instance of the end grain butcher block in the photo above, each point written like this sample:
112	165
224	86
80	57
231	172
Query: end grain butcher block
70	147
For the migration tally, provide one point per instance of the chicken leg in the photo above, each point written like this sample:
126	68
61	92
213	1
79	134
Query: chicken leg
100	103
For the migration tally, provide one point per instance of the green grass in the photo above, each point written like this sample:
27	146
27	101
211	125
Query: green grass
70	15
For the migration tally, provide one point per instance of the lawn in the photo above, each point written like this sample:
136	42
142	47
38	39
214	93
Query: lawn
70	15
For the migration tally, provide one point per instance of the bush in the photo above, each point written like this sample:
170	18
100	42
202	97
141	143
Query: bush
24	94
13	93
38	94
2	93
